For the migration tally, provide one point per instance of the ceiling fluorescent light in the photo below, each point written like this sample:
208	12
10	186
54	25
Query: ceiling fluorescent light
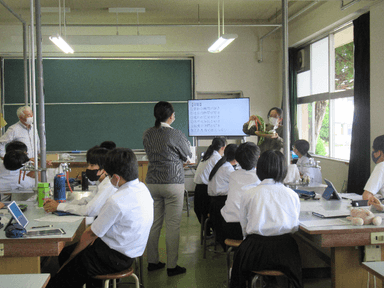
126	10
60	42
117	40
222	42
54	10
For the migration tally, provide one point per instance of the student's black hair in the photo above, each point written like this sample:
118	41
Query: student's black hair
14	160
16	145
247	155
108	145
122	162
303	146
97	155
162	111
378	143
272	164
278	110
217	143
229	155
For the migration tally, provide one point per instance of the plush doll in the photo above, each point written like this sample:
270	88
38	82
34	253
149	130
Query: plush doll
256	123
361	216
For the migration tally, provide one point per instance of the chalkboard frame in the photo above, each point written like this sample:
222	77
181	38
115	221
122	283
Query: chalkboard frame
80	122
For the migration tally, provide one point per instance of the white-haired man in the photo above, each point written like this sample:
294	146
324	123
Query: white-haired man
21	131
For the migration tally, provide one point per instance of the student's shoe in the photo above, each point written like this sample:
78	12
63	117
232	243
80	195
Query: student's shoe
153	267
176	271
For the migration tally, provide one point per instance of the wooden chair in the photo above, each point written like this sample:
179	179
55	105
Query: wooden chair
260	274
118	275
232	244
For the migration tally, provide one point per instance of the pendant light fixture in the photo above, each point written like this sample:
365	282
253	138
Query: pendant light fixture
58	40
224	39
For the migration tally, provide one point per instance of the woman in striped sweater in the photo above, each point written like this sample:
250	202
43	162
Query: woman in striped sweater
166	149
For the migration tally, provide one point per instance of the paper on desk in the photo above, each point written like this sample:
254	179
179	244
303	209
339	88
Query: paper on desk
55	218
325	222
351	196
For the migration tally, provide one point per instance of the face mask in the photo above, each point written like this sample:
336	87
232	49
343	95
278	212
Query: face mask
92	174
375	159
274	121
117	183
29	120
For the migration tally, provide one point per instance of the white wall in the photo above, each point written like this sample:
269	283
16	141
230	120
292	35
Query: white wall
328	16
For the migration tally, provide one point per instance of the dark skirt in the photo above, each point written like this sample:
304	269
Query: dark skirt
232	230
202	201
218	202
257	253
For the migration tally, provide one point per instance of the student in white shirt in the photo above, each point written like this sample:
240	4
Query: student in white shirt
218	186
269	214
301	148
91	205
239	181
120	232
15	157
375	183
213	154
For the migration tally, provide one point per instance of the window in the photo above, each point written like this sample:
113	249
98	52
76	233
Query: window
325	94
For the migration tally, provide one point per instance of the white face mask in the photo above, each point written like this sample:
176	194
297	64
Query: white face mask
29	120
274	121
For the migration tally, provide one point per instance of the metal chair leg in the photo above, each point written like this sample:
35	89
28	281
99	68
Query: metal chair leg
186	195
205	238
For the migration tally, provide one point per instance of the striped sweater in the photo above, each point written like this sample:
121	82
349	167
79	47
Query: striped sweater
166	149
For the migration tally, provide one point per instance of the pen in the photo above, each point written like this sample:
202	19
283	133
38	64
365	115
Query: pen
46	226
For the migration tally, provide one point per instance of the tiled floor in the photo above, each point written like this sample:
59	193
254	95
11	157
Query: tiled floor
201	273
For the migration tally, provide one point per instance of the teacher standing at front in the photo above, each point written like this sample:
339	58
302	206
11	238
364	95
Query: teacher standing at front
166	149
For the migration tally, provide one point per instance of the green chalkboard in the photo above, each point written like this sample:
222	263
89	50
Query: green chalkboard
75	118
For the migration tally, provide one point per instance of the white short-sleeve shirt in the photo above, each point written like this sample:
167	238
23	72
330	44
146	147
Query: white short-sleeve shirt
205	167
239	181
90	206
375	183
270	209
9	180
314	173
21	133
124	222
219	184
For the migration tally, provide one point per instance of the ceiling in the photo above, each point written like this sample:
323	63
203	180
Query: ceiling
173	12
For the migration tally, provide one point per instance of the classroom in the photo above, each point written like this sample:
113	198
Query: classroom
180	69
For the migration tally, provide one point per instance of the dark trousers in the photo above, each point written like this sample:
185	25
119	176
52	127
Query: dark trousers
96	259
202	201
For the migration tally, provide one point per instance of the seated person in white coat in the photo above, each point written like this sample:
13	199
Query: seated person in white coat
91	205
218	187
11	176
239	181
269	214
301	148
120	232
374	188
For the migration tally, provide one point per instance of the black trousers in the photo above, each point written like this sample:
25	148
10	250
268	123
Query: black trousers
96	259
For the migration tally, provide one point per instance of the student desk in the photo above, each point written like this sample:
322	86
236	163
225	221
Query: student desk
342	240
25	281
22	255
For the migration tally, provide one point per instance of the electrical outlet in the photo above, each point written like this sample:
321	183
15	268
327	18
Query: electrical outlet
377	237
1	249
372	253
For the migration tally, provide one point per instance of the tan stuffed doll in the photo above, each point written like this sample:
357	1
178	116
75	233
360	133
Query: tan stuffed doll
361	216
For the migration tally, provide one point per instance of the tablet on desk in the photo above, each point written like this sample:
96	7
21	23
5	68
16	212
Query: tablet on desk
48	232
330	192
17	214
330	214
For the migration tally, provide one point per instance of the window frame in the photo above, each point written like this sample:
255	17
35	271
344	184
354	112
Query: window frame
330	95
